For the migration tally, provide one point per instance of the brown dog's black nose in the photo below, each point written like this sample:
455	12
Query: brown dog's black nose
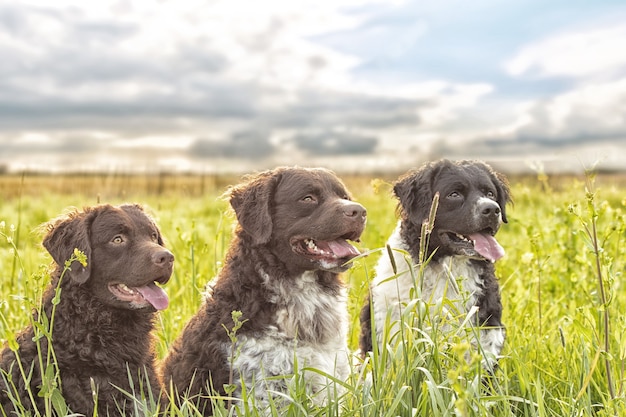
354	210
162	257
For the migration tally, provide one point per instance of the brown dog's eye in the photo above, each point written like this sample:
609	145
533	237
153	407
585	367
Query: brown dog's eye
117	240
155	237
308	199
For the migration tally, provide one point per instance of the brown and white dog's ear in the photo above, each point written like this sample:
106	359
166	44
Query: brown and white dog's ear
66	234
415	194
252	202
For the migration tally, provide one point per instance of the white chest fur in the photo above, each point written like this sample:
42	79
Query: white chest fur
310	327
452	277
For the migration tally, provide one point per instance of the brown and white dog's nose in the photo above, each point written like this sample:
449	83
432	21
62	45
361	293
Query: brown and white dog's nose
163	258
352	209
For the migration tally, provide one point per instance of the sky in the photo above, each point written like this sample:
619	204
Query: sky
359	86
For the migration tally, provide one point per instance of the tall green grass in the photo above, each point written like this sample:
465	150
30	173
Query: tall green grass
561	282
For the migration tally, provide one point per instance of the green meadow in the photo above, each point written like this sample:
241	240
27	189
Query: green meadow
562	284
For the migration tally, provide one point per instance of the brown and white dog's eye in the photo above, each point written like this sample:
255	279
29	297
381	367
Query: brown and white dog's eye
118	239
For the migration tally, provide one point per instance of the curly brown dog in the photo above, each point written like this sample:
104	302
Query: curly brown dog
281	272
101	335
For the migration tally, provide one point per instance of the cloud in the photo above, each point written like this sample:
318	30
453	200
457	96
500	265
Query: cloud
591	115
315	77
574	54
592	111
311	108
246	145
335	143
38	144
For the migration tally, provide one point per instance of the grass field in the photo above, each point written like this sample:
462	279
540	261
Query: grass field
562	284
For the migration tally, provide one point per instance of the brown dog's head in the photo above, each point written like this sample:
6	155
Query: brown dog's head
125	255
304	216
472	206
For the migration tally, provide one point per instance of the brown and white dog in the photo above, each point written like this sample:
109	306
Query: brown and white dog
281	273
461	247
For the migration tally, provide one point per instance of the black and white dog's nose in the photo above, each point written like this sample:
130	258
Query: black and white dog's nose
488	208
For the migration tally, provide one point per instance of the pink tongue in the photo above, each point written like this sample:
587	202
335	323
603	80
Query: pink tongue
342	249
154	295
487	246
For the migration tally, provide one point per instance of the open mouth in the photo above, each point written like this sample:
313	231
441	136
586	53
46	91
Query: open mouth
482	244
142	296
332	252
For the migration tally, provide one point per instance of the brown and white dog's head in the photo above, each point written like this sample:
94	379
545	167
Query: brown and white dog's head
305	216
126	258
472	206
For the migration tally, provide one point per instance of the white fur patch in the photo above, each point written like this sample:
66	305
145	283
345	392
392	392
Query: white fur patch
452	277
310	328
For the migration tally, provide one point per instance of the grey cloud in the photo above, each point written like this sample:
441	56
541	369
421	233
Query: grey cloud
64	145
83	51
521	145
335	143
40	86
248	145
316	108
183	92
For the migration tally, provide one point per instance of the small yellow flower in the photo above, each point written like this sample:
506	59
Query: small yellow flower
80	257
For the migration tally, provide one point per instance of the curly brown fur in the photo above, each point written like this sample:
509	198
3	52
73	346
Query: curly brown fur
287	295
99	337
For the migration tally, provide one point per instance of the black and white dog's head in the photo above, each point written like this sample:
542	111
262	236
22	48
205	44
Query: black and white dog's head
472	206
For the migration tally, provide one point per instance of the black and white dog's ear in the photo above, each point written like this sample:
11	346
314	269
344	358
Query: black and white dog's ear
252	202
415	194
66	234
504	193
502	188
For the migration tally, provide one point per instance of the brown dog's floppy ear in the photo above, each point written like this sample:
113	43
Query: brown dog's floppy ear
252	202
65	235
414	190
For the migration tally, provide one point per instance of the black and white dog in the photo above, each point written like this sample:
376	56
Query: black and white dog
461	247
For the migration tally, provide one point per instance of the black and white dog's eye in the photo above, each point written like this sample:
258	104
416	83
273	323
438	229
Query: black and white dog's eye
454	194
491	194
